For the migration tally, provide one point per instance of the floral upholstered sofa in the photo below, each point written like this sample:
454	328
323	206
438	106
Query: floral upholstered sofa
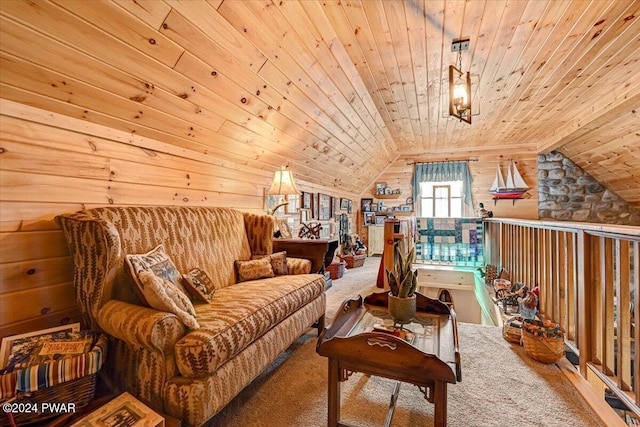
252	310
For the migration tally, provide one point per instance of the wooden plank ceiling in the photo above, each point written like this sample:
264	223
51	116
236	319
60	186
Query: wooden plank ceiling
338	89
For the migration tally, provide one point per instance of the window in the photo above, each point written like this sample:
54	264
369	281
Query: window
441	199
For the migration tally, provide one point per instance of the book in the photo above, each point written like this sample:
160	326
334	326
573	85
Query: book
47	348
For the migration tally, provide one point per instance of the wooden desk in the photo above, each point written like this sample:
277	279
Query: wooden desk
319	251
430	361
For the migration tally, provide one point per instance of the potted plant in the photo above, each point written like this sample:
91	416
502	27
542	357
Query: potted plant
403	281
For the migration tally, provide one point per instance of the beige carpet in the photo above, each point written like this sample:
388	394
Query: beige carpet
500	385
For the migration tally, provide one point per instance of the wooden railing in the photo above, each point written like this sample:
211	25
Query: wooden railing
588	276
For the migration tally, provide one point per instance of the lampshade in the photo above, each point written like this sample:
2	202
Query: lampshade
283	184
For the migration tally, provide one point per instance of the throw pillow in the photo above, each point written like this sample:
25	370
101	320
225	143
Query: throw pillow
254	269
165	296
156	261
198	285
278	262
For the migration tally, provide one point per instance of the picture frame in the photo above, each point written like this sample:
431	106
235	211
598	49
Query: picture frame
344	204
314	205
283	226
350	207
335	207
324	207
388	190
365	205
305	202
13	344
369	218
124	410
293	207
305	216
380	186
379	220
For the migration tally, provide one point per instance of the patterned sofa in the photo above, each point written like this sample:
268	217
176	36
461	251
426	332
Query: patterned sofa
188	374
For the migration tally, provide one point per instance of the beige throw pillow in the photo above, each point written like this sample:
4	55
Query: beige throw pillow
165	296
278	262
156	261
254	269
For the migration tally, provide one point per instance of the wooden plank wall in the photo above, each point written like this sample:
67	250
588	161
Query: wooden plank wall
52	164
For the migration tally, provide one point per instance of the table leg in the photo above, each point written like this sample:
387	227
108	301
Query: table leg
440	404
333	403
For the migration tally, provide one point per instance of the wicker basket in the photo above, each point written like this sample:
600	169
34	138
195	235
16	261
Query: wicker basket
68	380
79	392
512	330
336	270
543	341
354	261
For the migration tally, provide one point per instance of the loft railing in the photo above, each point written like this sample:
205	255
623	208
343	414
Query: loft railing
588	276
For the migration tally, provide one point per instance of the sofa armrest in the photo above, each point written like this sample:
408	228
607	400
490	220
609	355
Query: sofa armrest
298	265
140	326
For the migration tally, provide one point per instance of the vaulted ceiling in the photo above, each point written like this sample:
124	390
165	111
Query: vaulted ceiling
338	89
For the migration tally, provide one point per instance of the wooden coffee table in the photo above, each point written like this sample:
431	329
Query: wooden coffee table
430	361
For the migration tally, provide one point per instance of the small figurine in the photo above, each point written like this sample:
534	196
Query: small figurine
360	248
528	305
482	212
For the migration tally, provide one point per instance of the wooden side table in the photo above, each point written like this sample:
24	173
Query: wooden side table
319	251
430	361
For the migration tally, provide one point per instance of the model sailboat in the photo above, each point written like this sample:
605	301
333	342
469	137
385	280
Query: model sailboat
514	186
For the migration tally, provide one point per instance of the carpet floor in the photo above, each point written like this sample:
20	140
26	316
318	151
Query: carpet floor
500	385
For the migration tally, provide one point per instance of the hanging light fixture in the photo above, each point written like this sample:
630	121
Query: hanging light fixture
459	85
282	185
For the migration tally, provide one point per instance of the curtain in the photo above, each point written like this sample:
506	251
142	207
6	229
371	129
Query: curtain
443	171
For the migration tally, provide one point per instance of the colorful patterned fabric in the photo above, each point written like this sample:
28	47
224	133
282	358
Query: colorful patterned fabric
240	314
46	375
452	240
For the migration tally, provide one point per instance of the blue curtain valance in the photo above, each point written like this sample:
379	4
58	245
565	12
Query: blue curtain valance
443	171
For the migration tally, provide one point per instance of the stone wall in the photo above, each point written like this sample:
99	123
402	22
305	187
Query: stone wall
567	193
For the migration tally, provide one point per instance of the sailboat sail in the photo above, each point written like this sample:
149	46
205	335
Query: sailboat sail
498	182
514	186
518	182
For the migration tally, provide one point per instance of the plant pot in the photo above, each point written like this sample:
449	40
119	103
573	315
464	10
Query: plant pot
402	310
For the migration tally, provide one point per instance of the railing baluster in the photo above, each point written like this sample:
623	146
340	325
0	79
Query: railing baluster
622	279
607	289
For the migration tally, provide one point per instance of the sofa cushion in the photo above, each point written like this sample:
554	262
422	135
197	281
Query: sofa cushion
240	314
278	262
254	269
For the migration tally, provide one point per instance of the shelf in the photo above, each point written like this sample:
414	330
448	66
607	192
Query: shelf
513	199
401	213
387	196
